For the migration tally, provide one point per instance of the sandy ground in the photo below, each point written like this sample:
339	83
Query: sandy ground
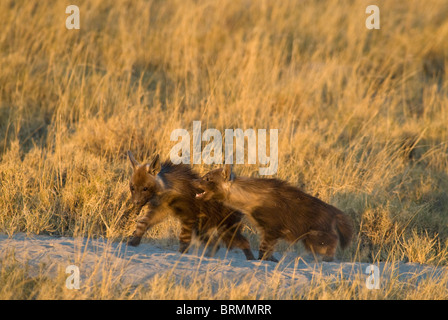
136	265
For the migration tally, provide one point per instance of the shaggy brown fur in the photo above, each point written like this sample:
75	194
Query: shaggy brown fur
168	189
279	211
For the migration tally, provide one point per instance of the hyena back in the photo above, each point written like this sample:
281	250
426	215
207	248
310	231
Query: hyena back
164	189
280	211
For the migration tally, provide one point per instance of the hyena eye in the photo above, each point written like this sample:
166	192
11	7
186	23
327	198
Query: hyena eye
132	188
145	189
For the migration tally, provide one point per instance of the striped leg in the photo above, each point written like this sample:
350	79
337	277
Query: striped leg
186	232
151	217
267	247
233	238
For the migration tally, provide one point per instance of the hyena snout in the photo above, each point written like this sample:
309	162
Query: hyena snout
202	191
138	202
322	243
197	183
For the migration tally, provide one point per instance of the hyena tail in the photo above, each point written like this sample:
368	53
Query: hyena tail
345	229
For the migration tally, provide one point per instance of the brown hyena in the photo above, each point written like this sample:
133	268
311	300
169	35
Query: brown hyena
279	211
168	189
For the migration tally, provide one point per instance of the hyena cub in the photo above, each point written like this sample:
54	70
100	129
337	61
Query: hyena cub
279	211
168	189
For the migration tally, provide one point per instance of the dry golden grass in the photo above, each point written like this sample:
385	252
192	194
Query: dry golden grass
362	114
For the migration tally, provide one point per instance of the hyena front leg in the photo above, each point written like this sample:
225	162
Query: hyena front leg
186	231
267	245
151	217
210	241
233	238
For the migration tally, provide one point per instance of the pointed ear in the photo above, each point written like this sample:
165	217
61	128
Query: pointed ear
134	162
154	167
227	172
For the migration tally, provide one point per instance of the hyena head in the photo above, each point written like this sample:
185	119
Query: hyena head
214	183
143	184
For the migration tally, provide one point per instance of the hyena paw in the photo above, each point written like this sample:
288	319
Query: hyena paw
263	256
271	258
134	241
183	248
249	255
